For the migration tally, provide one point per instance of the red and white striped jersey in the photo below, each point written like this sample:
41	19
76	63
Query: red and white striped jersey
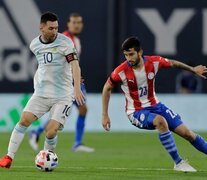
138	85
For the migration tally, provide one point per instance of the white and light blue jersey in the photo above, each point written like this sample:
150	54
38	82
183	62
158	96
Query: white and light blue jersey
53	78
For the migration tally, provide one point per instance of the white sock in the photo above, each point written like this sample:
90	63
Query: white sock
15	140
50	144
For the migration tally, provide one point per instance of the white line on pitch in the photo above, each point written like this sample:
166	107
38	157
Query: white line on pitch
110	168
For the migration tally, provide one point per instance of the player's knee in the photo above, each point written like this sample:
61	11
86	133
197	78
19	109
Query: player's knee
24	122
83	110
27	119
160	123
188	135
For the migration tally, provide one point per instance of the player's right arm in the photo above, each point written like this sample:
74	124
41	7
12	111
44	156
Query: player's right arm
106	93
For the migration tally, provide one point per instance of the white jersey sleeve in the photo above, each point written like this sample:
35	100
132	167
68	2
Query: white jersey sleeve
66	46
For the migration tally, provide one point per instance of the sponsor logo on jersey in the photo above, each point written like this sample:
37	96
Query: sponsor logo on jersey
131	80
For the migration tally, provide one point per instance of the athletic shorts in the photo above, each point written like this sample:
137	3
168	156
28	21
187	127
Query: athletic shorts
143	118
59	108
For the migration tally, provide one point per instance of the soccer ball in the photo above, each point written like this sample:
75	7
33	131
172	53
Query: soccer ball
46	160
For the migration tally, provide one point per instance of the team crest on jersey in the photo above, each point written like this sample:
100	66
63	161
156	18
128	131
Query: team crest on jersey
142	117
151	75
54	50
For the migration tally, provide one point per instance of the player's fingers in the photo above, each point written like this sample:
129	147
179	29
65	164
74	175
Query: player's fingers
108	126
80	101
204	77
107	129
105	126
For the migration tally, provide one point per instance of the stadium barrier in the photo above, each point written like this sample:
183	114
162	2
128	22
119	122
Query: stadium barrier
190	107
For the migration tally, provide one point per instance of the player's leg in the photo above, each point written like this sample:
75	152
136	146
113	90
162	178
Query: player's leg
59	113
196	140
16	138
80	127
145	119
174	121
34	135
51	134
34	109
18	133
176	125
166	138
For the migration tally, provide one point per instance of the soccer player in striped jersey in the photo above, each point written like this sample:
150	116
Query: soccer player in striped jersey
75	26
136	75
56	85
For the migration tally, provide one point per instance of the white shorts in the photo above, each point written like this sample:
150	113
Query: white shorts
59	108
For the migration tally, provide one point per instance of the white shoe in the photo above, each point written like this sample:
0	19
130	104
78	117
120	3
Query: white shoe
33	141
83	148
184	166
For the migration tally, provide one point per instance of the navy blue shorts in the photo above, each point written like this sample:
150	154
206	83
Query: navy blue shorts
143	119
83	89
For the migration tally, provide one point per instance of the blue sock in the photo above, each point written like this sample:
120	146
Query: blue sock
168	142
200	144
39	130
79	130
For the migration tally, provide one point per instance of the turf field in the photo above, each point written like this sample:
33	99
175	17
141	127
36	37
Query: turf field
118	156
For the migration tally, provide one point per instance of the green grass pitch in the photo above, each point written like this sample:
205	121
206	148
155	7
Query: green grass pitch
118	156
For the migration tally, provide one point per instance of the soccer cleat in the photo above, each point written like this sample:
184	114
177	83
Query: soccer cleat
33	140
184	167
5	162
83	148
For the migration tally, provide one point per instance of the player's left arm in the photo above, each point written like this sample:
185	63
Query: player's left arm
200	70
79	97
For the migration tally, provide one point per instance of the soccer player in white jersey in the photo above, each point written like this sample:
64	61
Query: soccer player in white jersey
58	68
137	77
74	28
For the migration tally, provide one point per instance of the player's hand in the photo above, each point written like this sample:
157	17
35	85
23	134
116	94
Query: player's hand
106	123
200	70
79	97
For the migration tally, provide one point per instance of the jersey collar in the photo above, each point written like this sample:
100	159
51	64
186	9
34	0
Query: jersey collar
47	42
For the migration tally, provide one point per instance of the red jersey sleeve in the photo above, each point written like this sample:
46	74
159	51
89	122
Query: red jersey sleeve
114	78
163	62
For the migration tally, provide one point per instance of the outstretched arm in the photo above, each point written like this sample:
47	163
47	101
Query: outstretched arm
105	103
200	70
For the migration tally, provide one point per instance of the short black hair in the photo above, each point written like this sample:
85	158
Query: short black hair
74	14
131	42
48	16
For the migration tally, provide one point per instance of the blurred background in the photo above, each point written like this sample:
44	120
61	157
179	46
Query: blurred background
175	29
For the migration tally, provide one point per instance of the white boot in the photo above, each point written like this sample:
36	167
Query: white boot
184	166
